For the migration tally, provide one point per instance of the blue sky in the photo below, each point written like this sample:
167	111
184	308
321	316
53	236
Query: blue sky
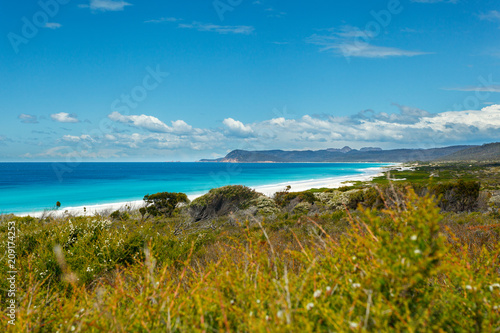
105	80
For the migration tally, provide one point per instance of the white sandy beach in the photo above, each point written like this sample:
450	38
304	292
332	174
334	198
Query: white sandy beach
268	190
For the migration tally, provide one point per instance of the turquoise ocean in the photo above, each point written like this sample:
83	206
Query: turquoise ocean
31	187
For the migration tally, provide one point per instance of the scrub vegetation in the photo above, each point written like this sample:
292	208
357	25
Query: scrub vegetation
416	250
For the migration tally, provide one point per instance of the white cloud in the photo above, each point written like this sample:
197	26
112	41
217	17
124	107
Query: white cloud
106	5
53	25
64	117
366	50
163	19
485	88
28	118
151	123
237	128
351	41
409	127
492	15
168	141
221	29
72	138
180	126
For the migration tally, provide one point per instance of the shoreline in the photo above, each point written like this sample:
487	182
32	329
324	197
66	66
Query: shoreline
296	186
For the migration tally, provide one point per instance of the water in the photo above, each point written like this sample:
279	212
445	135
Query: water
29	187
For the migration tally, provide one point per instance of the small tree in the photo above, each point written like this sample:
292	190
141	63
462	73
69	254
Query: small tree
58	204
163	203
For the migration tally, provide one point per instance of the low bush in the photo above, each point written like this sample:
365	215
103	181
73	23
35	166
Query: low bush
264	206
222	201
391	270
284	199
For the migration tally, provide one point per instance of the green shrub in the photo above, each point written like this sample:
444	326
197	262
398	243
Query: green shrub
283	199
265	206
302	208
461	196
118	215
221	201
452	196
337	200
162	204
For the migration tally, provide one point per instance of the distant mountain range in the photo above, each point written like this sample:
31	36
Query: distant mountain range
486	152
368	154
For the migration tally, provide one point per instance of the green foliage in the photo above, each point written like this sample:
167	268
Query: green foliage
284	198
118	215
302	208
339	200
222	201
390	270
162	204
265	206
455	196
461	196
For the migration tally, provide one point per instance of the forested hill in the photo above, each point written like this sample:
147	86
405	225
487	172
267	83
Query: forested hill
345	154
487	152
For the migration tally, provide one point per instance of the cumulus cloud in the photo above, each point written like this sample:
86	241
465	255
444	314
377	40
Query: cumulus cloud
64	117
106	5
73	138
167	141
410	127
351	41
237	128
28	118
180	126
151	123
406	127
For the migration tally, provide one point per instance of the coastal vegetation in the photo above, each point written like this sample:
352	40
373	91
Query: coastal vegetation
414	250
162	204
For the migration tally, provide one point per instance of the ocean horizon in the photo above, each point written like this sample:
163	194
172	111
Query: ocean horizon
35	187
